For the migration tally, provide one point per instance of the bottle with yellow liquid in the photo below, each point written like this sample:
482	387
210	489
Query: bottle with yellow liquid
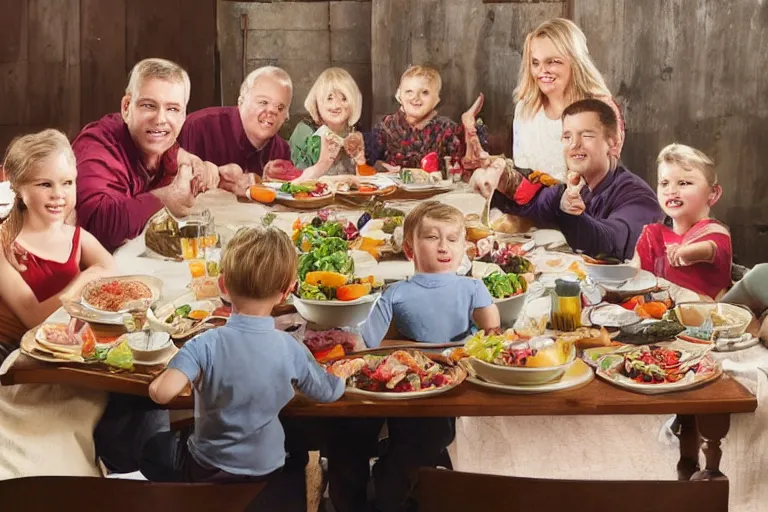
566	305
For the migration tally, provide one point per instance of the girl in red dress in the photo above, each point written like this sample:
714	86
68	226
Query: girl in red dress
43	258
696	252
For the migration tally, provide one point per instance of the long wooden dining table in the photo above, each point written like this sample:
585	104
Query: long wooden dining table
704	413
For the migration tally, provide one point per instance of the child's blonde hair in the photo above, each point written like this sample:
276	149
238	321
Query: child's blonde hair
689	159
434	210
428	73
23	155
335	80
586	81
258	263
160	69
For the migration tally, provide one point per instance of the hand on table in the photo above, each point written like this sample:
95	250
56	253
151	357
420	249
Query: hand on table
229	175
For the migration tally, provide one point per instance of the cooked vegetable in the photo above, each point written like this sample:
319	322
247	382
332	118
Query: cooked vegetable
311	292
320	278
352	291
391	223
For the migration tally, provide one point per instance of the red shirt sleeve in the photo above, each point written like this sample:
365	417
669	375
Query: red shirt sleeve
644	249
106	204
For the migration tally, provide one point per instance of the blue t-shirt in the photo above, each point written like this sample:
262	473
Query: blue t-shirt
247	369
433	308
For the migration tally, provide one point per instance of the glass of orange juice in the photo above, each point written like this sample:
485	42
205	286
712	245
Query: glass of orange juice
196	268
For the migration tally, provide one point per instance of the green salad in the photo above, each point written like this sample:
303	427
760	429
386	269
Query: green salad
330	254
293	188
502	285
485	348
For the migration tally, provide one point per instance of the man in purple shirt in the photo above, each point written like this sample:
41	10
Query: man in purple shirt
606	216
244	136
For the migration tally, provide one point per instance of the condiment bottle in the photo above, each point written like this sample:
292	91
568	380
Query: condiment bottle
566	305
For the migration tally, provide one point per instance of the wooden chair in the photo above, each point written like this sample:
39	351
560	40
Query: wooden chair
41	494
451	491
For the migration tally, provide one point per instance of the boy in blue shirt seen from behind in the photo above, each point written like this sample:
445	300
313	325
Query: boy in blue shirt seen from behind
242	375
434	306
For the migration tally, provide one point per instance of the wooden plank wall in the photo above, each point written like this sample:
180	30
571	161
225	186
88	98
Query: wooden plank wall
693	71
64	63
476	46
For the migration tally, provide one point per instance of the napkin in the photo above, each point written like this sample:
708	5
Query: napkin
6	199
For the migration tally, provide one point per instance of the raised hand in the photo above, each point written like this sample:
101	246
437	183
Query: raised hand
485	180
355	147
330	145
469	118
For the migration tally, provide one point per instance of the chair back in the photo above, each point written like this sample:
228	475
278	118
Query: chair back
45	493
452	491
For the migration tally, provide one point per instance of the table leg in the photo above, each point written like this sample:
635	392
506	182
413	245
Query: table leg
713	428
688	434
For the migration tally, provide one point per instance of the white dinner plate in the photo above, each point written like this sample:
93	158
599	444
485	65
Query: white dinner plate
643	282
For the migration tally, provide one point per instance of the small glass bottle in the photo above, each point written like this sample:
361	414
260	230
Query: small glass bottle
566	305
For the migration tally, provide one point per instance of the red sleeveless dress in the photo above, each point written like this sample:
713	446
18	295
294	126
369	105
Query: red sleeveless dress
45	278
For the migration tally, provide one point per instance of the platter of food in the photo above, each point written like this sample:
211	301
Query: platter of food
656	369
186	316
75	343
365	187
307	195
398	375
111	297
711	321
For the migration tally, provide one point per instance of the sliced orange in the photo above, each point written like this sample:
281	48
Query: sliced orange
325	278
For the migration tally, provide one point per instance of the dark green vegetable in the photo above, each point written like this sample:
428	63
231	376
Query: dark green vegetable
502	285
645	333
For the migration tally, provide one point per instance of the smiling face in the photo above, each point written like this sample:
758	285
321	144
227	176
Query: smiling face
586	145
50	193
684	195
437	246
418	96
155	116
335	110
264	110
549	67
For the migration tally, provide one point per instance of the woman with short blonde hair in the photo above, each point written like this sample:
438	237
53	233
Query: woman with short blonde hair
322	144
555	71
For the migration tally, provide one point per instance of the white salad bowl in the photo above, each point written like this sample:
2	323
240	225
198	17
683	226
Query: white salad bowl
336	313
520	375
610	273
149	349
510	308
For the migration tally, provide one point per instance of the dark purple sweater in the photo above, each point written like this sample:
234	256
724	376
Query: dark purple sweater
216	134
615	214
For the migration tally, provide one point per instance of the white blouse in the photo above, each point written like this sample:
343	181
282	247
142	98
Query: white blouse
536	143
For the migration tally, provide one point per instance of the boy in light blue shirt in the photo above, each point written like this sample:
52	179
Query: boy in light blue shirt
242	373
434	306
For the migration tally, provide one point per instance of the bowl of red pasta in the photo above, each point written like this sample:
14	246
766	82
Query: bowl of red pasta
116	295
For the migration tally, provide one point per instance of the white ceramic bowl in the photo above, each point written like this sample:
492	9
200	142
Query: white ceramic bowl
741	316
510	308
336	313
610	273
158	346
520	375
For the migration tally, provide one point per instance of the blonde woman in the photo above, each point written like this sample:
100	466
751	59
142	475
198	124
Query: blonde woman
556	70
322	144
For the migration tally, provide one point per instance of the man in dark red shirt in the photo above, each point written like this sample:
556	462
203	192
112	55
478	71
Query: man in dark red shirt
127	161
246	135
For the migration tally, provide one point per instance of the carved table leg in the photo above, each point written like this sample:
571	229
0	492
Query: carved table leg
713	428
688	434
